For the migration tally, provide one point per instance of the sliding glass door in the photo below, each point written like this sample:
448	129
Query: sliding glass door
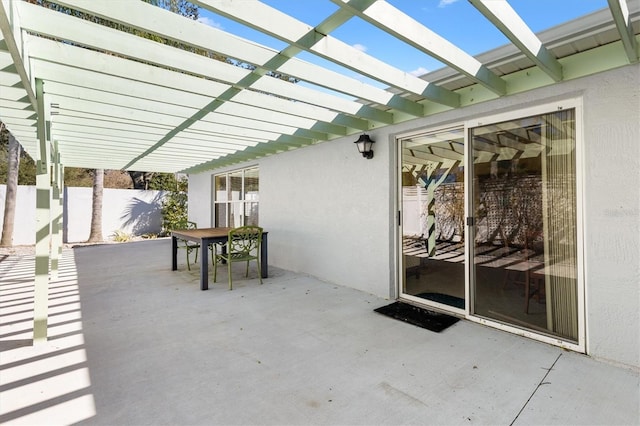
524	208
433	224
489	223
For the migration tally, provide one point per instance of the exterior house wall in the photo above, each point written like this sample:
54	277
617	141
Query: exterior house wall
328	213
200	200
612	215
132	211
332	214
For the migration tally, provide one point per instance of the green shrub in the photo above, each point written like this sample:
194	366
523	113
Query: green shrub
121	236
174	209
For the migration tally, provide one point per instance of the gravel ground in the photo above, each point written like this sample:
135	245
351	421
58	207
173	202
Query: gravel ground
17	250
31	249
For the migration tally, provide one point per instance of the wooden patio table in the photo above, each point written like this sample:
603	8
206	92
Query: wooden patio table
206	236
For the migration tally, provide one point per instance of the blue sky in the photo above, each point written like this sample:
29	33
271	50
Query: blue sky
456	20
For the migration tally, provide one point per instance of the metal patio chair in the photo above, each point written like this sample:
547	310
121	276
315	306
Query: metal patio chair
243	245
189	246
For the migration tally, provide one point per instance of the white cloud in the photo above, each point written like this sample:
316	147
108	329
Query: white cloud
360	47
419	71
445	3
210	22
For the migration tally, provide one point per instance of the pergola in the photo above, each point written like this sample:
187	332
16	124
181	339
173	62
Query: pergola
114	100
79	94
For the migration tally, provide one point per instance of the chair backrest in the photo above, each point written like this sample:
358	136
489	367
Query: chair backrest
245	239
186	224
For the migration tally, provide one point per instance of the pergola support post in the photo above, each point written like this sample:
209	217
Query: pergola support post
43	225
56	213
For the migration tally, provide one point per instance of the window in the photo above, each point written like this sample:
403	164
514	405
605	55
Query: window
236	198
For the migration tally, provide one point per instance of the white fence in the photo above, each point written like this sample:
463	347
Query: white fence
133	211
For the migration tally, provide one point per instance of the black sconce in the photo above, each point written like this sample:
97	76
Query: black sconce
365	145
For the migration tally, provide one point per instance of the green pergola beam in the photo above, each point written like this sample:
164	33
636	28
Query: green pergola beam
620	14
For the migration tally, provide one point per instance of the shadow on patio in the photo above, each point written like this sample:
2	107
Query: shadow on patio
133	343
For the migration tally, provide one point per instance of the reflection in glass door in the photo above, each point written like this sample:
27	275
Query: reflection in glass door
433	218
525	232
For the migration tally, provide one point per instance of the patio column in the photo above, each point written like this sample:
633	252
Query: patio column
43	223
56	212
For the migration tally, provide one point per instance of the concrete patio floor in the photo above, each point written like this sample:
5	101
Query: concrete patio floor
132	342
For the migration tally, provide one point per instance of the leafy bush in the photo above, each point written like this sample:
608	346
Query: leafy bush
174	209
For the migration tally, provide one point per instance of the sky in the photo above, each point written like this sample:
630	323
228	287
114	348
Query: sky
456	20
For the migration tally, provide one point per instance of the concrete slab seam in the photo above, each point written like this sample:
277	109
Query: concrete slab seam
542	382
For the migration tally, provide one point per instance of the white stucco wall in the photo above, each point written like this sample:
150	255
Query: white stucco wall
612	215
330	213
200	200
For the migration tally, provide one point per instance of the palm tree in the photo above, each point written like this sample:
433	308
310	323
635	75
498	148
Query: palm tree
12	186
96	208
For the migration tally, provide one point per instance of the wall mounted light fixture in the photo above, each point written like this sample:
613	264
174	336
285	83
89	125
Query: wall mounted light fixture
365	146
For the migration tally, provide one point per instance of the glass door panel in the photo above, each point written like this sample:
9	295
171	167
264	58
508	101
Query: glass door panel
251	196
433	217
524	208
236	206
220	199
236	198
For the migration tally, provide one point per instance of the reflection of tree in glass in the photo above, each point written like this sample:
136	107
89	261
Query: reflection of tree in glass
450	212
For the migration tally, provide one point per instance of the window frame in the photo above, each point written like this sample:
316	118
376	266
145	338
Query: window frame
228	202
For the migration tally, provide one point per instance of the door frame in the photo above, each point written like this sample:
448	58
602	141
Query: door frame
467	312
462	313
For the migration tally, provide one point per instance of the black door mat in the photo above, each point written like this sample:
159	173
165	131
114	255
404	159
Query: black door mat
420	317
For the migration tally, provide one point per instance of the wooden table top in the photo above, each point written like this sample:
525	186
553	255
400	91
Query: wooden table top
201	233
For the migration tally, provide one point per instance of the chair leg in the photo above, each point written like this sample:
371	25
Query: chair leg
215	269
247	272
229	263
188	264
259	269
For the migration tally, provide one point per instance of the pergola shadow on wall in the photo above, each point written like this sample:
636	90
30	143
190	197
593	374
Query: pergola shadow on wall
79	94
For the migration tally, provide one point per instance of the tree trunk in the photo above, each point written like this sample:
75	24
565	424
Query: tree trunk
12	188
96	208
141	179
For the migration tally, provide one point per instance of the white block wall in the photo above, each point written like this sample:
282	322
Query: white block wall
132	211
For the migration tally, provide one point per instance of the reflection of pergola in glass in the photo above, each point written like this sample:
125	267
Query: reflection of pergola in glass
433	159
